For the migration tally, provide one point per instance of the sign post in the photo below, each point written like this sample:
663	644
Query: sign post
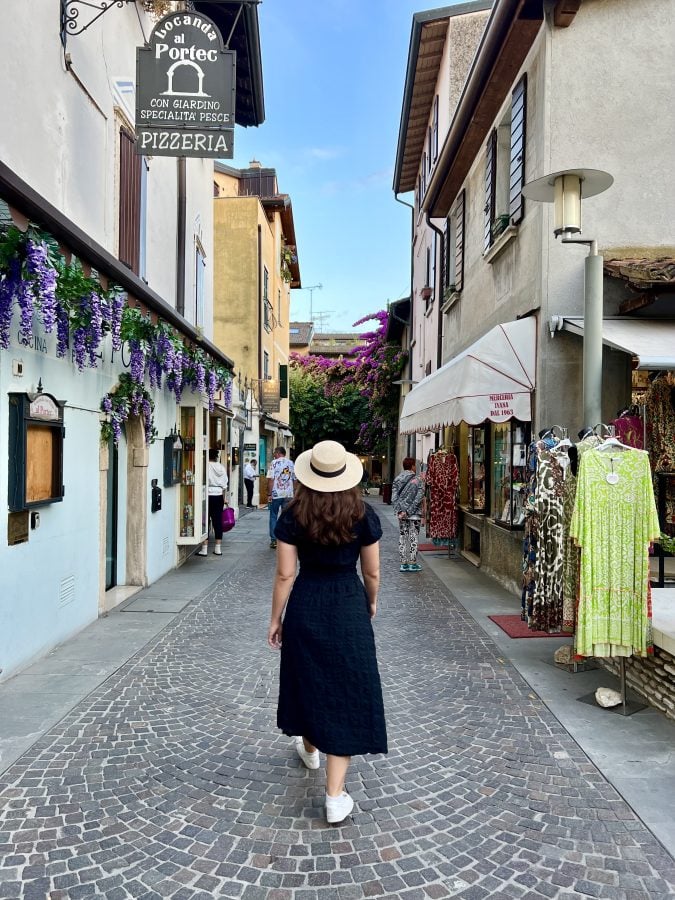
185	90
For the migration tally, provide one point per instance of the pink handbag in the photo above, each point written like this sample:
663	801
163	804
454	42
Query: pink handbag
228	518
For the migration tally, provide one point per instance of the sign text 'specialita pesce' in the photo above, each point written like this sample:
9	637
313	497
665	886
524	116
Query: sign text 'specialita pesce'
185	90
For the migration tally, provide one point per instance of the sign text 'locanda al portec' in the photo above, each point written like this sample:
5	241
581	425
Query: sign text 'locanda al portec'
185	90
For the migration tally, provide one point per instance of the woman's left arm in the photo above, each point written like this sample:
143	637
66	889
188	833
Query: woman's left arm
287	561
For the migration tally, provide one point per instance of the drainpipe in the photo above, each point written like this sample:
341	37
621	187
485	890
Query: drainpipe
181	216
439	336
410	439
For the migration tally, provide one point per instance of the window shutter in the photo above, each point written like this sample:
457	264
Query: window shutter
445	256
517	165
459	242
490	186
130	202
283	382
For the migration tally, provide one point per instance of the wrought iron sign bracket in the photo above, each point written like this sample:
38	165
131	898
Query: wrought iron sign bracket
72	25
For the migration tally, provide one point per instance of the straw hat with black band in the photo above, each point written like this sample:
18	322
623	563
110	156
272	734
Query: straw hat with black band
328	468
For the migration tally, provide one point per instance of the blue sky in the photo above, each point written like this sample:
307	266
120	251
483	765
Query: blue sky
333	73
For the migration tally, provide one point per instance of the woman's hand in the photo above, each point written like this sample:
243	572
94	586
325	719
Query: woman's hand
274	634
372	608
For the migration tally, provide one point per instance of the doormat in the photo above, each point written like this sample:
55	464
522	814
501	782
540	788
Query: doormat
516	628
426	547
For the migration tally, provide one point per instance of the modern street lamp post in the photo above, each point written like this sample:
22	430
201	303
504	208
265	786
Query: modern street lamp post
565	190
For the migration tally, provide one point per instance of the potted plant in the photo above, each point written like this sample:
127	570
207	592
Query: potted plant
500	224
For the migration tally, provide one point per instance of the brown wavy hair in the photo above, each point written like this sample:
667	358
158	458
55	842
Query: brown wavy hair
327	518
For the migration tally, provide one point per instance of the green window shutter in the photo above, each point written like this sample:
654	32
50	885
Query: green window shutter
283	382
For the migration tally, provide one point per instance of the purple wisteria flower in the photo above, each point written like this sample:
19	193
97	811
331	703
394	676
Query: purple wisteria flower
62	331
201	378
137	364
212	387
228	393
43	274
93	305
80	347
24	297
8	284
116	309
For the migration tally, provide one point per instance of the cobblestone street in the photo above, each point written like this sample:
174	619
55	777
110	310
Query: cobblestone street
171	780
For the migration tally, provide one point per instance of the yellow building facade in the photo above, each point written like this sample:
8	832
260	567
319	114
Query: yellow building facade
255	269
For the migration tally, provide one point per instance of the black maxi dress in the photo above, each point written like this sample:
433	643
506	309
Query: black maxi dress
329	683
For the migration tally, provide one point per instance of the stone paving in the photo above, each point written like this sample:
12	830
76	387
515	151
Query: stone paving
170	779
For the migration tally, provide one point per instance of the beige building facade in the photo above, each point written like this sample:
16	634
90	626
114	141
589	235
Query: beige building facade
256	267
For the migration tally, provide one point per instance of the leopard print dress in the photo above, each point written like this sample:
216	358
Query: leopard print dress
547	598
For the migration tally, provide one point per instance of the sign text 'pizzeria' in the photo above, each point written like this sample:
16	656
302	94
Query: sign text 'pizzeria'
185	90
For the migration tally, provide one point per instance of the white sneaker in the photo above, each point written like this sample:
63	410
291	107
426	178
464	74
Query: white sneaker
217	551
338	808
311	760
202	552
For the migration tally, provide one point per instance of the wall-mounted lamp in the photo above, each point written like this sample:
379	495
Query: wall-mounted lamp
566	190
177	442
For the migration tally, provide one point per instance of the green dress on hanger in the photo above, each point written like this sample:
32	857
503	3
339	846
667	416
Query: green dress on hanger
614	522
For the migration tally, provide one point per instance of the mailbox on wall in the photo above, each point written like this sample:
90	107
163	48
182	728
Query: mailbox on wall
36	434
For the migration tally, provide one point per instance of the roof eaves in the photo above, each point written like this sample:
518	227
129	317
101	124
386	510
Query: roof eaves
501	23
419	20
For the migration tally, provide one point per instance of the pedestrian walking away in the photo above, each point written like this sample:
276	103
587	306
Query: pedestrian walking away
280	480
250	474
330	695
216	478
407	497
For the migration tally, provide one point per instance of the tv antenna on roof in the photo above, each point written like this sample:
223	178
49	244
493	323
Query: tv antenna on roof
322	317
311	288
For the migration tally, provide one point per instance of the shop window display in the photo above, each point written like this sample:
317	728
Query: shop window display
510	473
477	470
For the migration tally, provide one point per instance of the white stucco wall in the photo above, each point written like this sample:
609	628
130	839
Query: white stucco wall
612	118
60	134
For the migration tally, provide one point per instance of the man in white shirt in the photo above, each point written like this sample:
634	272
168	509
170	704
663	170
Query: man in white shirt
250	474
280	480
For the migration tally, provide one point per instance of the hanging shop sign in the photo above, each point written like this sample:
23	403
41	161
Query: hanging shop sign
185	90
270	400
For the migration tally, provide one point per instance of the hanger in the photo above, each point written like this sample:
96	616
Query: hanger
611	442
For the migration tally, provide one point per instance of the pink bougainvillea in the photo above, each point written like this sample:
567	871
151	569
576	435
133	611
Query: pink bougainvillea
371	368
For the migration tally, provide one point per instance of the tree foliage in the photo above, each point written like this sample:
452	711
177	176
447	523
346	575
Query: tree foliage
318	414
351	399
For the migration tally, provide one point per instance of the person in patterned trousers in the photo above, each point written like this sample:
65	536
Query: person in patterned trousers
407	496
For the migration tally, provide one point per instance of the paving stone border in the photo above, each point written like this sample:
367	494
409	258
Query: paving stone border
171	780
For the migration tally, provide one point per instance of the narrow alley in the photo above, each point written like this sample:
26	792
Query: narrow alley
169	778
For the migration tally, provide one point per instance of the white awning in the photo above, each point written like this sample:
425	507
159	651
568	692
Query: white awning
492	379
652	341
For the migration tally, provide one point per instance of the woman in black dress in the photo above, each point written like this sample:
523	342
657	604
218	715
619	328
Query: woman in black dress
330	696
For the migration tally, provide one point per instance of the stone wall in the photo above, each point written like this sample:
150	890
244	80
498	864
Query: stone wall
652	678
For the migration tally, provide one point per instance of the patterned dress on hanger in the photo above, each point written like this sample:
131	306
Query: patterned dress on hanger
547	596
614	522
531	536
442	477
660	405
570	549
630	431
